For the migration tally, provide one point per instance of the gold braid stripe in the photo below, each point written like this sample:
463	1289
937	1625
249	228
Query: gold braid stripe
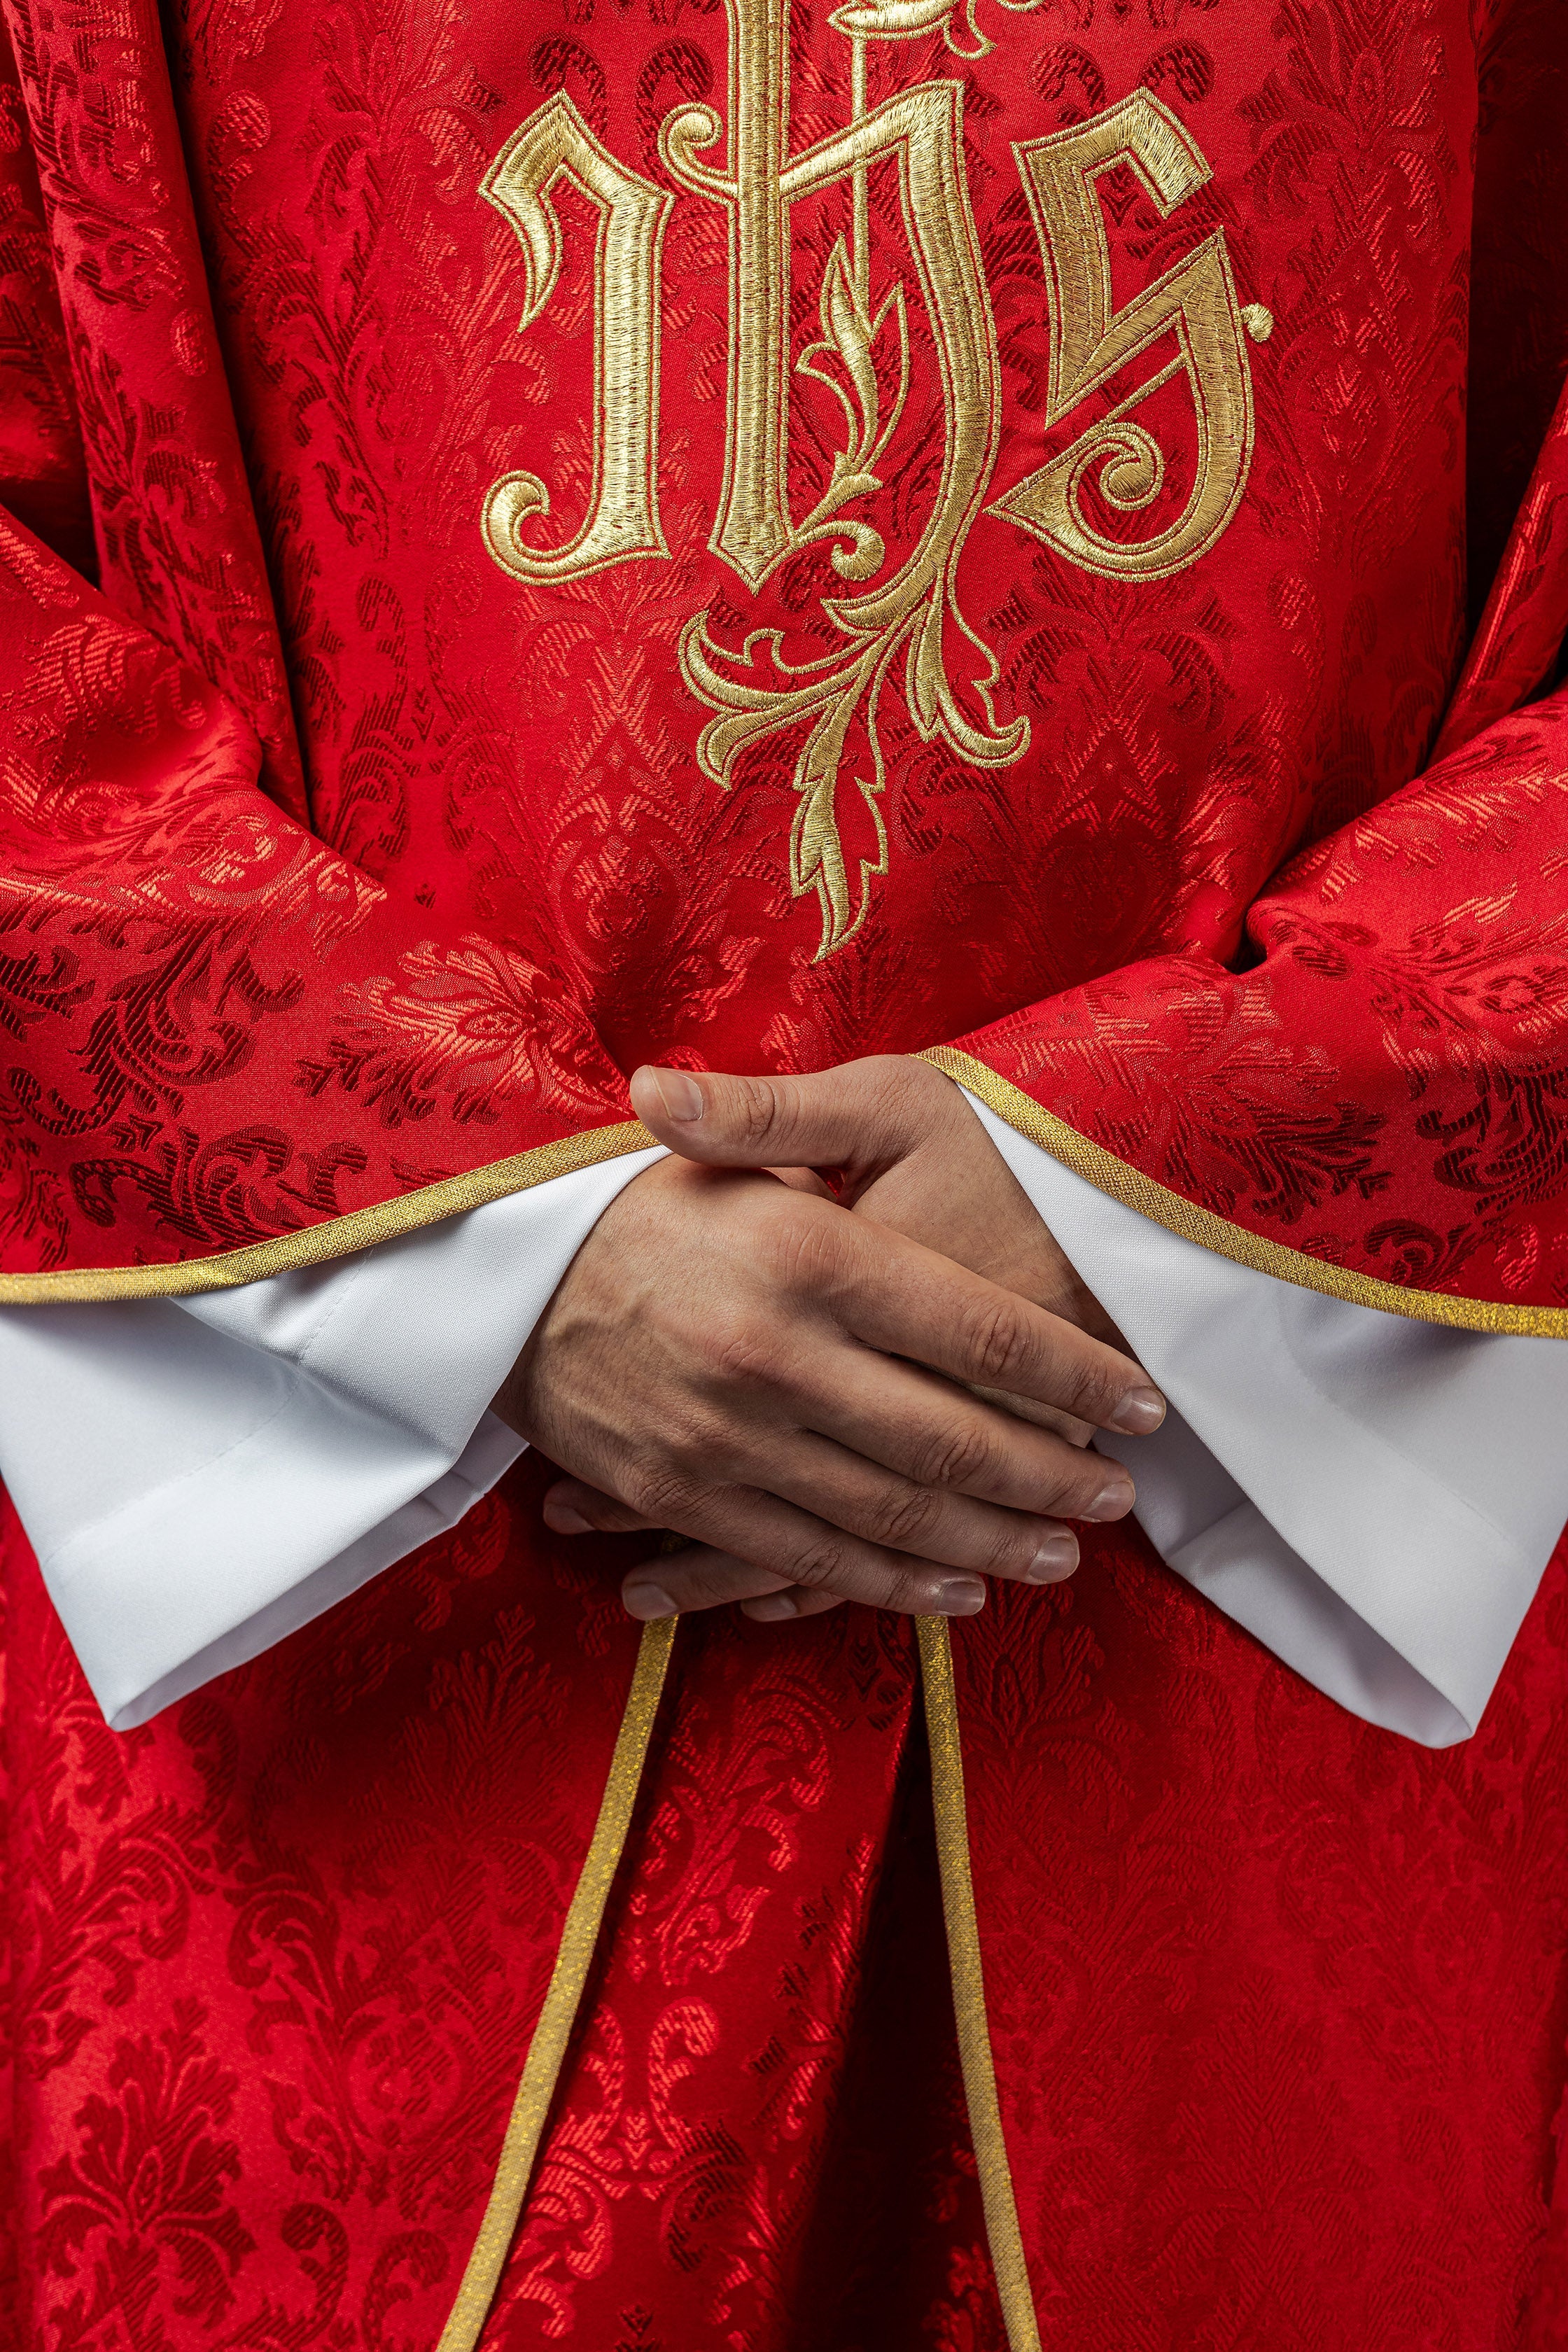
1002	2230
547	2051
334	1236
1136	1191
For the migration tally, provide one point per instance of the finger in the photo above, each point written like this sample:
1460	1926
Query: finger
902	1458
790	1546
862	1112
898	1417
1043	1416
802	1180
725	1579
776	1607
707	1577
905	1300
946	1529
930	1522
573	1507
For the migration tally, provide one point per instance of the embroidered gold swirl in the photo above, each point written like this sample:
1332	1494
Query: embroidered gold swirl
754	688
1090	342
911	627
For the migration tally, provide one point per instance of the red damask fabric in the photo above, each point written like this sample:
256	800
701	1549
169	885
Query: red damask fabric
346	849
340	857
1278	1999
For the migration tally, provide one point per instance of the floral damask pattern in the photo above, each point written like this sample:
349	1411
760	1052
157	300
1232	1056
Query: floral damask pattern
294	385
323	832
1277	1998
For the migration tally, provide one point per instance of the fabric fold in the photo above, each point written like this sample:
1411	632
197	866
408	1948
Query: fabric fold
1374	1499
258	1453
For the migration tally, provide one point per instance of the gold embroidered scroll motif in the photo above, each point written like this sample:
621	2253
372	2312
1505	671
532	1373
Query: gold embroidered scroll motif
755	690
622	519
910	622
1091	342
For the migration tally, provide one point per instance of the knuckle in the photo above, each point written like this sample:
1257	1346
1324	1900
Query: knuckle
708	1579
954	1456
1093	1390
908	1592
904	1520
741	1352
805	1248
1077	1482
758	1111
697	1455
1009	1548
998	1341
658	1488
604	1512
819	1564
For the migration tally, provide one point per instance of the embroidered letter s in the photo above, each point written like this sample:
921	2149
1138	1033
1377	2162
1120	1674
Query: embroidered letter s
1090	342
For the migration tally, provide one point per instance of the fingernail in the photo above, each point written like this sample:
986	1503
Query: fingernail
775	1604
647	1601
961	1596
681	1096
1141	1411
566	1521
1056	1557
1113	1501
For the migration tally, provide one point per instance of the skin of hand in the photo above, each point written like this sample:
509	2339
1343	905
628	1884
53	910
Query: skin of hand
754	1366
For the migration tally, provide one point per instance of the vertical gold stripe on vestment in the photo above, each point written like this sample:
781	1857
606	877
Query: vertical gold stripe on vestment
547	2051
579	1940
1001	2229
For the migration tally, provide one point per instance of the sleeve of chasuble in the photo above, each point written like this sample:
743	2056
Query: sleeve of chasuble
1372	1499
1364	1089
220	1034
1371	1098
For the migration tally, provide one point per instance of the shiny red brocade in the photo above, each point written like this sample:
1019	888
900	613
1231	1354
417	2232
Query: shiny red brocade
808	632
1278	2000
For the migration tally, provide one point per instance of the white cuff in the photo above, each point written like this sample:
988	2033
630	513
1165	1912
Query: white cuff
1374	1497
199	1478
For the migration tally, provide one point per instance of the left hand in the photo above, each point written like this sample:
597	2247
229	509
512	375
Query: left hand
906	1149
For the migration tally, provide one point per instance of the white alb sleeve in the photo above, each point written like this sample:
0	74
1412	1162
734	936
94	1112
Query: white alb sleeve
201	1477
1374	1499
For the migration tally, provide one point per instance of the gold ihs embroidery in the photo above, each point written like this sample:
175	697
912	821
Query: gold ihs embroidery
831	701
622	519
754	688
1090	343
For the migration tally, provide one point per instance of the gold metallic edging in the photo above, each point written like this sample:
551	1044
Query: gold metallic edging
334	1236
546	2052
1002	2230
1136	1191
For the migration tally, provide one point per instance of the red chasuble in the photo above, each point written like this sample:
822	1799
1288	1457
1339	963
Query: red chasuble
553	534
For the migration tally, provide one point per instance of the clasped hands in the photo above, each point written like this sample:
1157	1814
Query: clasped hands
881	1392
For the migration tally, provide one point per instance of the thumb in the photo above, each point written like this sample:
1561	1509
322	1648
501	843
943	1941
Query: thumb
861	1112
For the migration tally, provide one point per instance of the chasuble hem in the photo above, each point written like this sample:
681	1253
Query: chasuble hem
407	1212
1179	1215
334	1237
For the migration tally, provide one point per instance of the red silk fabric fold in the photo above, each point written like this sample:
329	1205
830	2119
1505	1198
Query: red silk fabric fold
357	834
351	843
1277	1998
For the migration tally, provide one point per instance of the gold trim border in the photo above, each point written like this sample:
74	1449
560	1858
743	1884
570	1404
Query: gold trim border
573	1958
1135	1191
1001	2207
334	1236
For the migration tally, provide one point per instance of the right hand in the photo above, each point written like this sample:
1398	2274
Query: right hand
758	1370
